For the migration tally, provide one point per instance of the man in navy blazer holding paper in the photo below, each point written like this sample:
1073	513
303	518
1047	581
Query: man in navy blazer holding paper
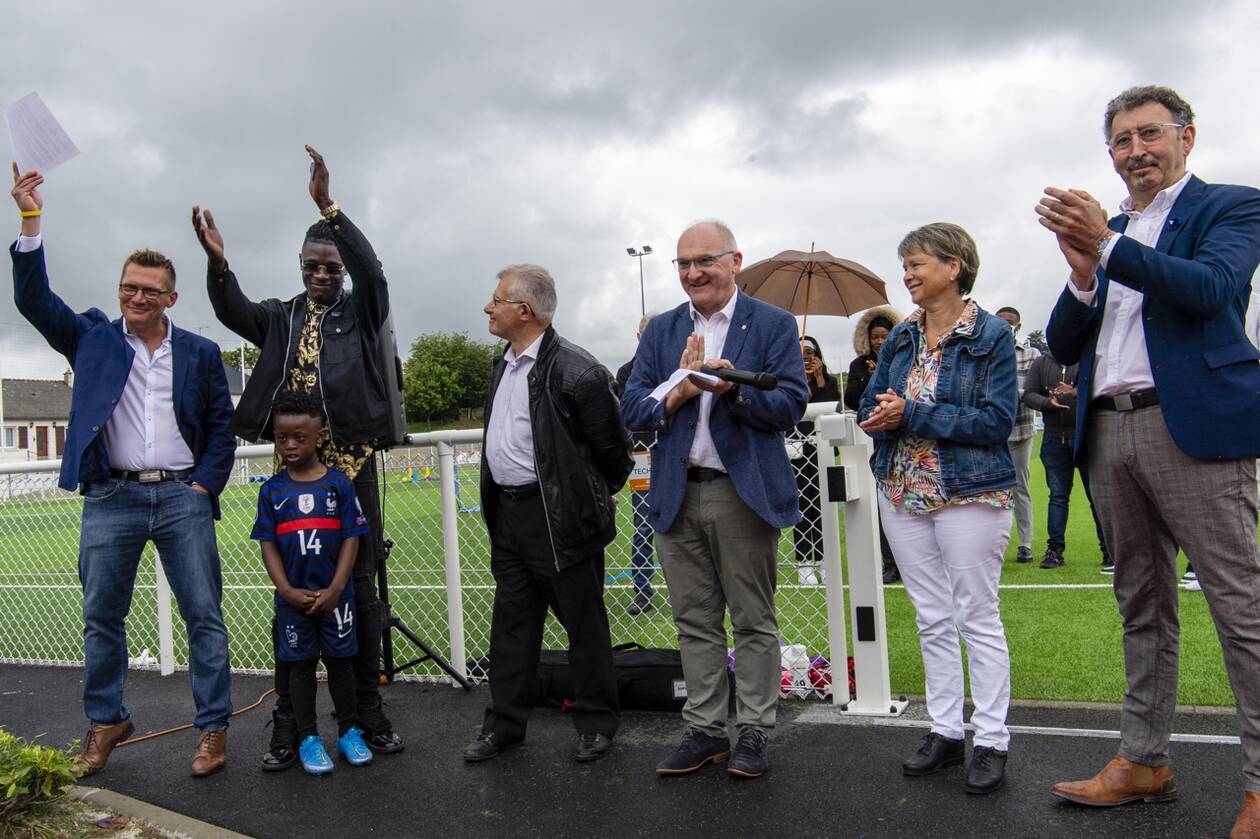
149	448
721	488
1169	387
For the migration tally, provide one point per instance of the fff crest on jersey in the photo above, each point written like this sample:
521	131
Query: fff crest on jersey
306	502
330	502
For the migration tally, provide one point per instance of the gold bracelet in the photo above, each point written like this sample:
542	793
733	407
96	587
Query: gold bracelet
31	213
330	212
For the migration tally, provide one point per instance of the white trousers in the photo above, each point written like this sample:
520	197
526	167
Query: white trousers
950	561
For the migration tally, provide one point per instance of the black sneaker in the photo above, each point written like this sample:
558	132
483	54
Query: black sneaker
378	732
1108	567
696	749
1023	554
751	758
936	752
642	602
984	775
283	750
891	574
1052	559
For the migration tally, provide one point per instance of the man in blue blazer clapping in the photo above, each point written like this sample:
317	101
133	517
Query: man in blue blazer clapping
148	446
1169	390
721	488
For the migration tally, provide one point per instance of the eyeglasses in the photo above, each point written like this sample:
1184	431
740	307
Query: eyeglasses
701	262
1147	134
332	269
496	300
127	291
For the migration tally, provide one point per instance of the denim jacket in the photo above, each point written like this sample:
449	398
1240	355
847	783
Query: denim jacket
976	395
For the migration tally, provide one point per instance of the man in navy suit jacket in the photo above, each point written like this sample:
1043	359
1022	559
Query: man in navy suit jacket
149	448
721	488
1167	421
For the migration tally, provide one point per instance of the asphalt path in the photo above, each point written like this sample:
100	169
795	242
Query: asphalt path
830	775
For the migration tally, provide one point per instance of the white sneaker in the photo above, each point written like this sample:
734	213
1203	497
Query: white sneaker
807	574
1192	585
1189	576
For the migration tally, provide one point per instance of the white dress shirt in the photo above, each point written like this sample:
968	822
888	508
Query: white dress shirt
142	432
1121	363
703	452
509	448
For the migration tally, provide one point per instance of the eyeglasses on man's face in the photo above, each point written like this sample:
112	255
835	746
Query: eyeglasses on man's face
129	290
496	300
331	269
1148	134
701	262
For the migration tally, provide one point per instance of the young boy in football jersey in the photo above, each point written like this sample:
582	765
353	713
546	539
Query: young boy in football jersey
308	526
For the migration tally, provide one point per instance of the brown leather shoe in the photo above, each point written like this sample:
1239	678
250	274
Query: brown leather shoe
1120	782
1247	826
99	742
211	753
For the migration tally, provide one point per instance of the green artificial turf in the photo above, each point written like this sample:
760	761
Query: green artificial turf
1065	642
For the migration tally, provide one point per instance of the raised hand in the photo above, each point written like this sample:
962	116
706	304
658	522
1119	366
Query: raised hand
1074	215
25	190
210	237
318	185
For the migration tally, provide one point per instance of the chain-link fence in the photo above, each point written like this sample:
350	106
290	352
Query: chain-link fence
40	599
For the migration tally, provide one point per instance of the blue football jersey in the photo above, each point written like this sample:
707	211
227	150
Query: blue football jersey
308	521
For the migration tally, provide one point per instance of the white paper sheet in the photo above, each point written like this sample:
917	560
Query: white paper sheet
38	140
678	375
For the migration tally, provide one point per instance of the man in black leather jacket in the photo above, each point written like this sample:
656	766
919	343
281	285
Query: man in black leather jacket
555	454
324	341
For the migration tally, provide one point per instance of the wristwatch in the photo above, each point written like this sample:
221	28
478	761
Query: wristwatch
1102	243
330	212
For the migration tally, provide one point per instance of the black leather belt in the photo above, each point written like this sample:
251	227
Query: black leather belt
151	476
1130	401
517	493
700	475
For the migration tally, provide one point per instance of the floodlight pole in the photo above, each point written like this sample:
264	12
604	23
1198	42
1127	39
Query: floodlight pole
639	254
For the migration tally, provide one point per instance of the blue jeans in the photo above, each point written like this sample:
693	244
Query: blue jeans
642	558
119	517
1056	457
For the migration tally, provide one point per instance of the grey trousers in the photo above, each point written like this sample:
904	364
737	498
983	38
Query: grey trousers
1021	453
1153	498
719	554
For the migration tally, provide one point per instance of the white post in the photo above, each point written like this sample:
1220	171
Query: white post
450	552
166	629
866	589
834	577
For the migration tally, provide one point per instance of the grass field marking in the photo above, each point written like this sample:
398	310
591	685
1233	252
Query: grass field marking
824	715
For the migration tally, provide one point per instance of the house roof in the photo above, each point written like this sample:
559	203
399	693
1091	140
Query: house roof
36	399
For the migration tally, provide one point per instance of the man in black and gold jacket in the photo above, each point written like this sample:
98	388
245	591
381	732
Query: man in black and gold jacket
337	344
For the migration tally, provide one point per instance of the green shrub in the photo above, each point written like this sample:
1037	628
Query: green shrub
31	774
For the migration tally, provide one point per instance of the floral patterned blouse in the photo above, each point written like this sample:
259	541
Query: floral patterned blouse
914	484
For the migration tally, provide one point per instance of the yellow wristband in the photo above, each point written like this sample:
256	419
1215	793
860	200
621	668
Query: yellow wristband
31	213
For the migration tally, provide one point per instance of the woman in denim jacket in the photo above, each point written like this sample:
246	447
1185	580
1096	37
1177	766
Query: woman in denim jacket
940	407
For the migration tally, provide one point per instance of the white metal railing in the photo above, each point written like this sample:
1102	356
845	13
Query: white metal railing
439	578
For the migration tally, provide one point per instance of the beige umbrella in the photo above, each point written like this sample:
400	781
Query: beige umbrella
813	283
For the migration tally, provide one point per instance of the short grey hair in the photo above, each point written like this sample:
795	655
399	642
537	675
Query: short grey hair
945	241
1136	97
532	284
723	231
647	316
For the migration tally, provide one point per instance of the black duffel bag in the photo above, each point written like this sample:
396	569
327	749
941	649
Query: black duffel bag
647	679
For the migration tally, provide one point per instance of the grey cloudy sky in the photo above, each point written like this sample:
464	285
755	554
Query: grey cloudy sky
463	137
